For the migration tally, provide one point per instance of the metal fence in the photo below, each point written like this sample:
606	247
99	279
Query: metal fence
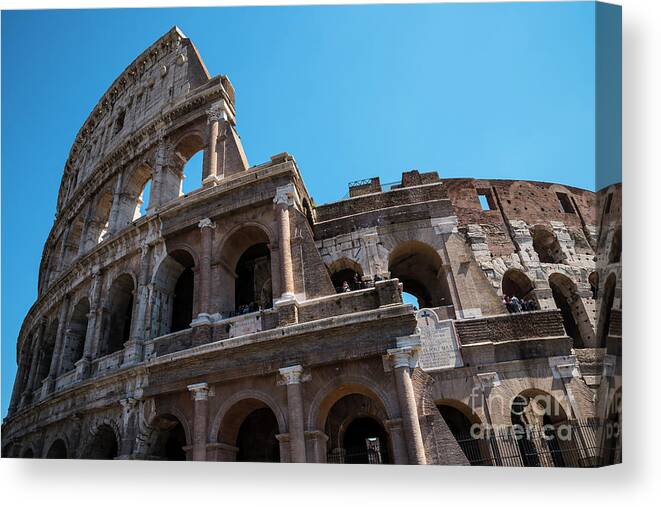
577	443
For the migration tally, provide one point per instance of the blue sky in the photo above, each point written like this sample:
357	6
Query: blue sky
481	90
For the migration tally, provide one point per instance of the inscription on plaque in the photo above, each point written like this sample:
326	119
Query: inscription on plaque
440	349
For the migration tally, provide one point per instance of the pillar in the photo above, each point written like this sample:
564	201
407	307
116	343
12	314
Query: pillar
200	393
284	199
394	427
403	359
134	348
116	202
93	326
29	385
210	176
54	369
129	424
292	378
206	226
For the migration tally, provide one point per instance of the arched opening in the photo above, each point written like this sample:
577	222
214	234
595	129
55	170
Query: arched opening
58	450
250	427
75	335
418	268
615	252
103	445
169	439
346	275
46	349
189	155
72	246
135	193
257	437
460	425
605	311
247	252
252	287
99	224
574	316
174	293
518	292
535	416
546	245
28	453
120	298
356	432
593	279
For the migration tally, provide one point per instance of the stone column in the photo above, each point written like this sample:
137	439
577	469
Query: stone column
116	202
206	226
394	427
93	326
403	359
317	445
128	426
34	358
135	347
54	370
292	378
284	199
210	176
200	393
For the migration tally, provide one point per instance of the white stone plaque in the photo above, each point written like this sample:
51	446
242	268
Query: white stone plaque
440	349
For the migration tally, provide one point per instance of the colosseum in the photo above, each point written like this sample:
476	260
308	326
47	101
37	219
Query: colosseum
431	321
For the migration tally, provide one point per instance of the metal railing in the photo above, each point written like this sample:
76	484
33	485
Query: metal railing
576	443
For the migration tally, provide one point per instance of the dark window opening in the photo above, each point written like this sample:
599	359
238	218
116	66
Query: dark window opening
565	202
365	442
119	122
182	306
460	426
609	202
257	438
104	445
253	279
486	199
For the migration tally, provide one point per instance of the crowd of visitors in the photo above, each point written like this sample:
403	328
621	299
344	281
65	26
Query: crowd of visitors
516	305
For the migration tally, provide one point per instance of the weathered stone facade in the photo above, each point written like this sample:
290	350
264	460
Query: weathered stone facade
241	322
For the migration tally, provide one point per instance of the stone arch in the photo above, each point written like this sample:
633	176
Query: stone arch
46	349
187	147
75	335
27	452
546	245
246	254
339	387
355	423
236	398
606	308
542	412
460	419
418	267
615	250
132	195
574	316
103	441
74	237
119	308
173	297
516	283
346	270
98	226
169	437
57	450
248	430
593	280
